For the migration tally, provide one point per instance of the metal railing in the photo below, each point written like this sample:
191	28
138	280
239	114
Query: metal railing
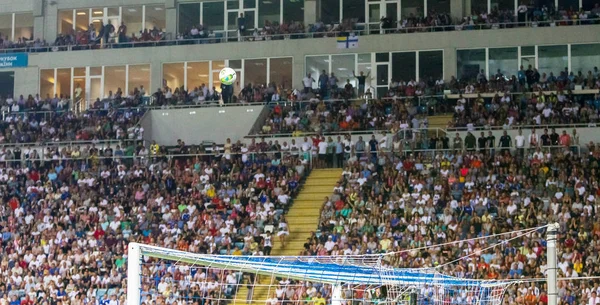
361	29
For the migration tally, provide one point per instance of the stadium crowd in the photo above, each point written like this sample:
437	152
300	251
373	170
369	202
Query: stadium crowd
66	221
117	35
530	99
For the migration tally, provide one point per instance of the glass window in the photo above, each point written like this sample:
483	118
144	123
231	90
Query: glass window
528	51
6	26
354	9
469	63
249	4
268	10
132	17
155	17
478	7
47	83
65	21
213	16
95	71
293	10
217	65
412	7
503	5
235	64
197	74
504	60
189	16
404	66
584	57
97	18
568	4
431	65
382	76
216	85
63	82
24	26
552	59
342	66
139	76
7	83
382	57
114	79
588	5
364	58
440	6
250	20
78	71
173	75
280	72
233	4
315	65
330	11
82	20
255	71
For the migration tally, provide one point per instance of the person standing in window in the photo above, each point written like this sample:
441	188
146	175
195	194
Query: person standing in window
241	26
521	13
362	80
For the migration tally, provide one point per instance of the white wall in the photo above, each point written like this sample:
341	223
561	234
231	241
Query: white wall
299	49
201	124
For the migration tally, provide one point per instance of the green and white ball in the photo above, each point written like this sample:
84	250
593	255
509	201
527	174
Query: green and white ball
227	76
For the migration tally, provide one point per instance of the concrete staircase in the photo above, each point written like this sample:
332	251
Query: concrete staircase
439	121
303	218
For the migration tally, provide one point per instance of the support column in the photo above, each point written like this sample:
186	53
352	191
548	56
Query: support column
310	12
449	63
551	262
134	271
457	8
171	19
48	29
336	295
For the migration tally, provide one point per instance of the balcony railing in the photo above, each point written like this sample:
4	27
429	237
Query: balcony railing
361	30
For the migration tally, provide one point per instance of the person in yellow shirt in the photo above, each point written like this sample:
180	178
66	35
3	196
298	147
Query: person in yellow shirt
154	148
319	300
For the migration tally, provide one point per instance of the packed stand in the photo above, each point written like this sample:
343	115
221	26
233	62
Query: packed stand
107	34
201	95
63	216
392	198
535	16
328	117
56	126
537	108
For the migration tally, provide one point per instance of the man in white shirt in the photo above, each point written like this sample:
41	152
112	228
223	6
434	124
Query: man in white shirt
520	143
308	81
594	299
534	139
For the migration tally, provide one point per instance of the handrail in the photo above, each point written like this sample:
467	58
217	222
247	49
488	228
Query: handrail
367	30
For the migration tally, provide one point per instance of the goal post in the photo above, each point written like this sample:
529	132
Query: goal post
255	280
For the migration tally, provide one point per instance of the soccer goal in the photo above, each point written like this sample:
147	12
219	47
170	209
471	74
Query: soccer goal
177	277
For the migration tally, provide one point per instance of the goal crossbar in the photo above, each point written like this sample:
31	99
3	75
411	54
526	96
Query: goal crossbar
360	270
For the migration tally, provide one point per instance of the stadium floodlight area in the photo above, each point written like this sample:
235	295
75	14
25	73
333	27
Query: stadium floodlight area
185	278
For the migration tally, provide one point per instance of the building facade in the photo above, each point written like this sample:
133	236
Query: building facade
436	53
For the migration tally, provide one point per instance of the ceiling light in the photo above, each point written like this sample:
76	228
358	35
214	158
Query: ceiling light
131	10
158	8
203	75
145	69
81	13
98	12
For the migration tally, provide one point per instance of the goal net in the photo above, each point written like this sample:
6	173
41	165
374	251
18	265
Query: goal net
168	276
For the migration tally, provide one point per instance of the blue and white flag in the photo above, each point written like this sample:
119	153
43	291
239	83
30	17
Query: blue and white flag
347	42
